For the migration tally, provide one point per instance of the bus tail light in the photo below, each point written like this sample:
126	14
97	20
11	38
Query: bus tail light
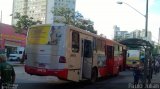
62	59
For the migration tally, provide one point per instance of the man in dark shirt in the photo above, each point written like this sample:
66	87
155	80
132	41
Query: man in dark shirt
7	72
137	72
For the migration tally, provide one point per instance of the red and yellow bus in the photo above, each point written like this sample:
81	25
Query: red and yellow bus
71	53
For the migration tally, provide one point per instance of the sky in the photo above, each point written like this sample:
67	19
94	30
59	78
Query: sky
107	13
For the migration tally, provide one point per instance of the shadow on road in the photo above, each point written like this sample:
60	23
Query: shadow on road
123	81
68	85
115	82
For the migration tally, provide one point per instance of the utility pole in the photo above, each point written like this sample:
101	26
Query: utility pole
146	16
159	41
146	49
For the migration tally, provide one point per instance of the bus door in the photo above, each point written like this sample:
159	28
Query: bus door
110	58
74	64
87	54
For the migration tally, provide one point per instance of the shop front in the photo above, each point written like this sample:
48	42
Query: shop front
10	41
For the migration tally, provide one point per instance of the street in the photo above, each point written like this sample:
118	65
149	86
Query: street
26	81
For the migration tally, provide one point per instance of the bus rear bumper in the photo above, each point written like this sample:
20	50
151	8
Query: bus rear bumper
60	73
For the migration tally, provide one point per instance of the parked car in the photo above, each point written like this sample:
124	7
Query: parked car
16	55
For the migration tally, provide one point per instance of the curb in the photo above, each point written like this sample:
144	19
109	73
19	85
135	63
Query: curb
17	64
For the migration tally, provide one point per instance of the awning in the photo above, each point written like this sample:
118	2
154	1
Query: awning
136	42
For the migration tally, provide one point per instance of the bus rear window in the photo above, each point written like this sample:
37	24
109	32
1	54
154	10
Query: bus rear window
38	35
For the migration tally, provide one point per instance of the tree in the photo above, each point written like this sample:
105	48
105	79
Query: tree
24	22
68	16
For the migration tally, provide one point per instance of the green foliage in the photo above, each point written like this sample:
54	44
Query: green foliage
24	22
71	17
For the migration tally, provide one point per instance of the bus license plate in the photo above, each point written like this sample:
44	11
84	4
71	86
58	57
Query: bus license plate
41	65
41	70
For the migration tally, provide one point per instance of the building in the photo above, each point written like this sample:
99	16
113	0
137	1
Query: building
121	35
117	33
40	9
135	34
9	40
149	35
19	6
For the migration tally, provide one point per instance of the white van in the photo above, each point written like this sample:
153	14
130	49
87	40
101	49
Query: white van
16	55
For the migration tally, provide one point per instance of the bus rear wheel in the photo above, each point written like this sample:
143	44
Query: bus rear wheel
94	75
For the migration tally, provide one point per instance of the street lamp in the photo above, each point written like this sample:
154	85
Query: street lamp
146	28
130	7
146	16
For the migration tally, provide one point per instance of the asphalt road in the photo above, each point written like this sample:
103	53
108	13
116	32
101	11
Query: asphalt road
24	81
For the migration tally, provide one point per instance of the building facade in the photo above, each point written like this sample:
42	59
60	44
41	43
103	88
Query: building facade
121	35
117	33
149	35
9	40
19	6
135	34
40	9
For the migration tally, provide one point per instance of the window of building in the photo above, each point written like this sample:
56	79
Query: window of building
75	42
55	3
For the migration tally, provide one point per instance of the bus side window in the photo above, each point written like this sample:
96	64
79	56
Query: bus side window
75	42
88	49
94	44
98	42
109	52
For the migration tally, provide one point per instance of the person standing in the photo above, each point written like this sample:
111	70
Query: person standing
156	67
136	73
7	72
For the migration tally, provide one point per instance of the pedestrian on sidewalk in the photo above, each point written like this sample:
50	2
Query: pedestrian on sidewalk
156	67
136	73
7	72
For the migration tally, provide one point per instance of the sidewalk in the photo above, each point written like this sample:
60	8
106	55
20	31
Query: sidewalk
156	78
15	63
